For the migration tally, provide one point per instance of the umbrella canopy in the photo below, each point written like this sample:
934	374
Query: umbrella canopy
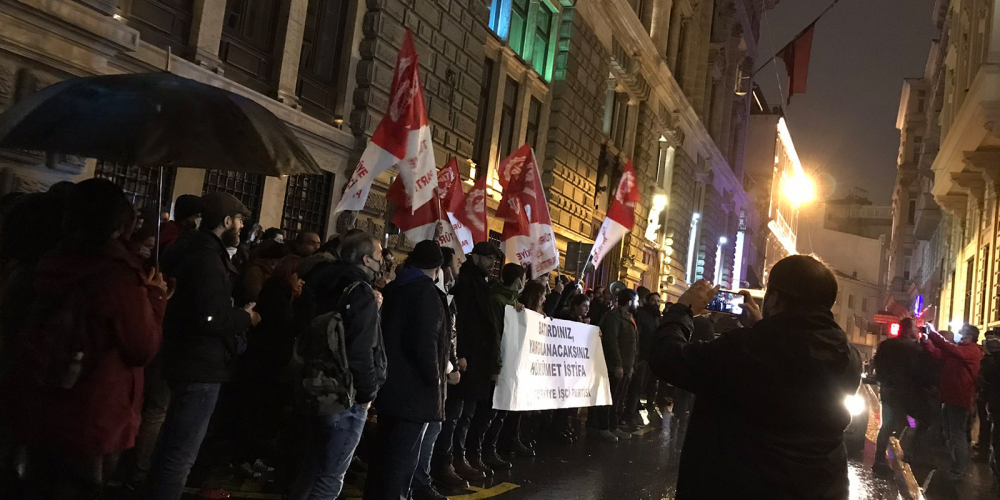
155	119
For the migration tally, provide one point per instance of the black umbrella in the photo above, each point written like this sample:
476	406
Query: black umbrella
155	119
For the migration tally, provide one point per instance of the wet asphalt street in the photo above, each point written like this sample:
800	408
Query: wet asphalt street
644	467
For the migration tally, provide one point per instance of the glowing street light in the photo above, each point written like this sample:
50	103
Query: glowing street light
799	189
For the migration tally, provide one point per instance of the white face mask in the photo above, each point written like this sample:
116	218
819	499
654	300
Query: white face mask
232	251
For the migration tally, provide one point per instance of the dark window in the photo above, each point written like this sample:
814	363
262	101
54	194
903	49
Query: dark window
319	66
141	184
307	204
506	136
540	58
911	213
248	42
163	23
247	187
619	118
494	238
481	146
534	117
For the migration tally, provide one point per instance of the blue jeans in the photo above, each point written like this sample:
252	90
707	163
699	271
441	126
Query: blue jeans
398	444
191	407
956	432
422	477
331	448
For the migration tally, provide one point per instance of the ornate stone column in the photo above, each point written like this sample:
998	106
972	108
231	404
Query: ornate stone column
291	52
206	32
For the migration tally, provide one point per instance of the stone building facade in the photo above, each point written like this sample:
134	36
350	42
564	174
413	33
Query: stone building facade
590	84
943	260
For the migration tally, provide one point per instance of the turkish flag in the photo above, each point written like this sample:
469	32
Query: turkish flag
796	57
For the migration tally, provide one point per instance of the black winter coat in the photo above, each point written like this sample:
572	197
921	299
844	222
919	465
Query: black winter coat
416	325
201	325
270	343
646	320
769	416
478	342
362	325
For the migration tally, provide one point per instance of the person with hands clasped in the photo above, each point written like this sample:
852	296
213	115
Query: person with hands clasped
768	418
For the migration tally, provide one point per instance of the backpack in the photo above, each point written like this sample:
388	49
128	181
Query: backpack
325	385
56	345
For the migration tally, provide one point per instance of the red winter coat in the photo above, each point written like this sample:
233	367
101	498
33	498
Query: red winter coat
100	414
960	371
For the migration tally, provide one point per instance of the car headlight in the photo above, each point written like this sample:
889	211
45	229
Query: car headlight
855	404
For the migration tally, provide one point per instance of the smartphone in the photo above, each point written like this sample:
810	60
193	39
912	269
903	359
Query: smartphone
728	302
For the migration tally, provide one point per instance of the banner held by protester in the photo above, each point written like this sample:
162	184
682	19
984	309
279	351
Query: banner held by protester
550	363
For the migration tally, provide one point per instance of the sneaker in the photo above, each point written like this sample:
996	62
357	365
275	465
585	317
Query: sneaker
427	493
608	436
448	479
259	466
622	435
468	471
478	464
495	462
246	470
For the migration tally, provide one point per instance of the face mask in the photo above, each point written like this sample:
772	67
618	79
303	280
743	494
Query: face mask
376	273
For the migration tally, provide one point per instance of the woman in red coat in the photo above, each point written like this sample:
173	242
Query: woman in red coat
74	394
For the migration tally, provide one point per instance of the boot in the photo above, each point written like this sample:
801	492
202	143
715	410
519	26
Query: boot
448	479
466	470
478	464
427	493
495	462
517	448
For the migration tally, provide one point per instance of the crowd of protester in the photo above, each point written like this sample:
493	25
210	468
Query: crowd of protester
126	340
120	355
943	382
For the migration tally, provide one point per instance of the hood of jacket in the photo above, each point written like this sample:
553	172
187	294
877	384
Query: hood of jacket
61	269
504	294
308	263
406	275
806	345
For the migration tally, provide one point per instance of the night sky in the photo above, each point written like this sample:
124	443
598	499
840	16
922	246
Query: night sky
844	126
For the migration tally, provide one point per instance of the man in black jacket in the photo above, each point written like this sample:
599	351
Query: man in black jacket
478	353
647	319
201	338
417	331
769	415
336	435
897	365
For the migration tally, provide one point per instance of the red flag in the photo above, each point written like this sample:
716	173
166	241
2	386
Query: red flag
417	225
402	139
528	237
473	214
453	203
621	215
796	58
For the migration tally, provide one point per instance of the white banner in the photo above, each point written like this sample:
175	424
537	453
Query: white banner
550	363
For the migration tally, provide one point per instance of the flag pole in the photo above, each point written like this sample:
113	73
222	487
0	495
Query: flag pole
772	58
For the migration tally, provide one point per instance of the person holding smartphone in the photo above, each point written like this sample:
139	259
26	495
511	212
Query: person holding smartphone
768	418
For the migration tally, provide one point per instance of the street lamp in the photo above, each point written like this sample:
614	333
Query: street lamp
799	189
